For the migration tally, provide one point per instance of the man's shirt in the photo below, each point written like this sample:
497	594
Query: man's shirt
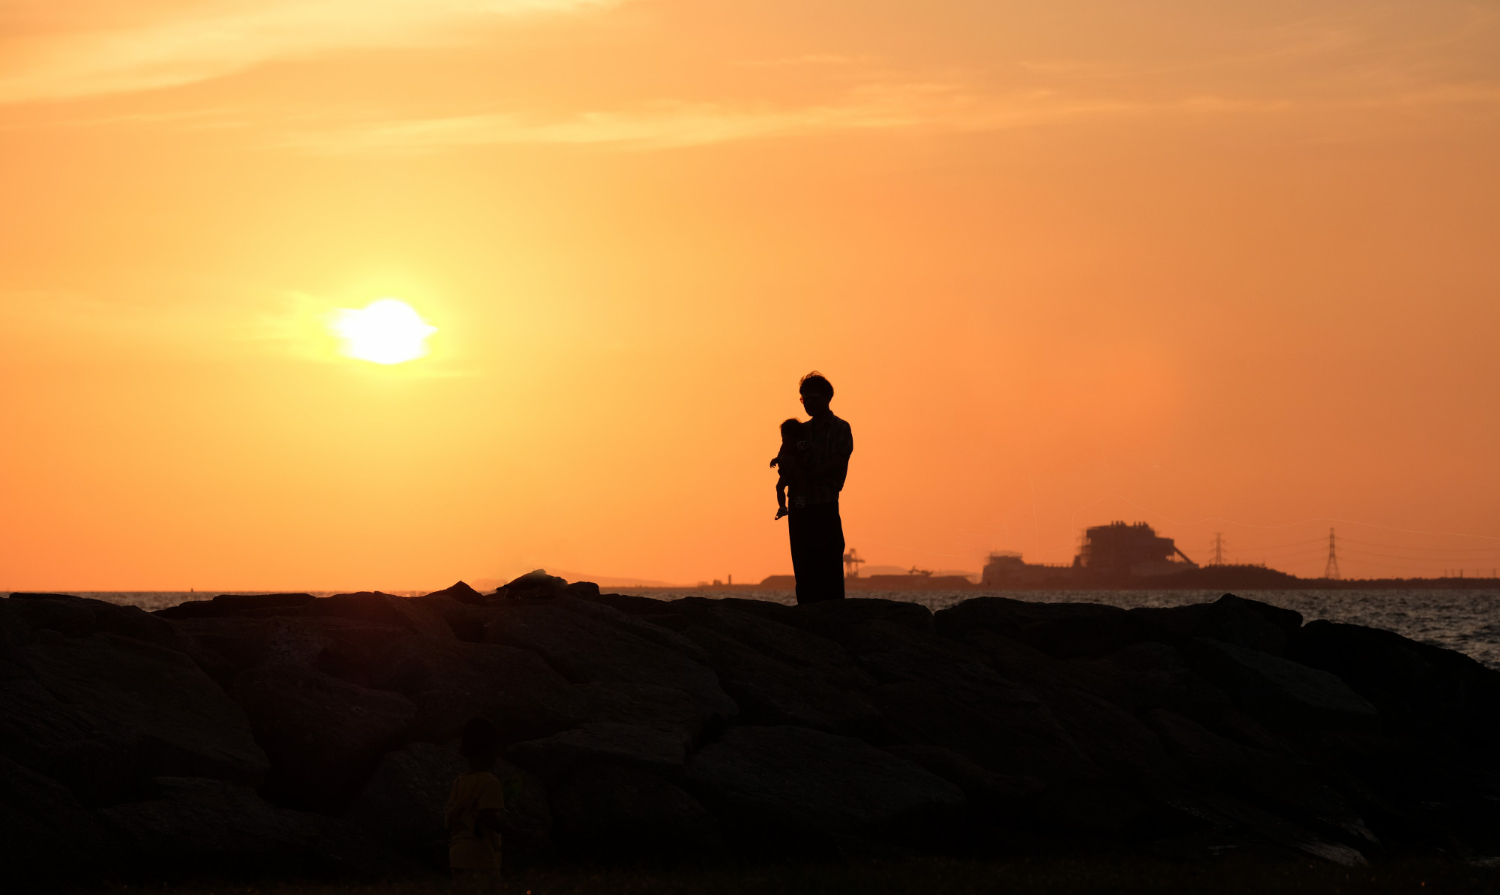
825	462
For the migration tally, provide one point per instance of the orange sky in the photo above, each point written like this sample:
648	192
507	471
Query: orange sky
1217	267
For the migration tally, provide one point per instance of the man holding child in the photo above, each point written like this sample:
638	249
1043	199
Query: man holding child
821	465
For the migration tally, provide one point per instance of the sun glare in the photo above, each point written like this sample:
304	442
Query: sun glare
386	332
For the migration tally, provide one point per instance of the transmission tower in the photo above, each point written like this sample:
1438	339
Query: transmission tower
1331	571
1218	549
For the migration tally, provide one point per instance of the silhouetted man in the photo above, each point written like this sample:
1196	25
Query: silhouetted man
813	522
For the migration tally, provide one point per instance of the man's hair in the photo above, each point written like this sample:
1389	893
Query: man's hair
815	382
481	737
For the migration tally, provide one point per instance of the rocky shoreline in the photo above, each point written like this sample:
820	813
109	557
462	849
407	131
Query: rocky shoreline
287	735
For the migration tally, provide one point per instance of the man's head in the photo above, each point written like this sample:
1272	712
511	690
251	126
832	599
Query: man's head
817	392
480	744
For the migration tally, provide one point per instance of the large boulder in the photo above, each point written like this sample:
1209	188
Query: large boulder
634	745
1112	738
464	617
786	643
629	813
462	593
452	682
774	691
404	803
323	736
795	785
586	649
14	631
1021	738
647	629
239	606
225	646
1156	676
104	713
196	826
894	653
539	585
662	707
81	617
1277	783
838	619
1246	623
992	797
1064	630
941	693
350	649
1281	689
1418	688
47	839
372	606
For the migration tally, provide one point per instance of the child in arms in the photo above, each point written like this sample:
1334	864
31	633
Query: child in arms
786	461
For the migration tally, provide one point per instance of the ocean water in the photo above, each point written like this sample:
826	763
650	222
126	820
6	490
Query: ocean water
1463	620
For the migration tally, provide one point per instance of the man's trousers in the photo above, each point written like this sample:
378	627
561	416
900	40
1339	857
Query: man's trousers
817	535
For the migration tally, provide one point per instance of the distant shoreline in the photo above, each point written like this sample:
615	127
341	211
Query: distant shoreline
1182	581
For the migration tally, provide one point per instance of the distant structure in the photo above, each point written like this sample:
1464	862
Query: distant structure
1121	549
1005	568
1331	571
852	563
1218	559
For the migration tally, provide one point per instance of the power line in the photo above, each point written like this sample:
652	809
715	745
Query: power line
1465	550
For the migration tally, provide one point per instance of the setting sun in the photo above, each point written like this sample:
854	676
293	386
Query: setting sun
386	332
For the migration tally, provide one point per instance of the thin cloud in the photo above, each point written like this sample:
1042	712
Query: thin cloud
916	107
666	124
46	57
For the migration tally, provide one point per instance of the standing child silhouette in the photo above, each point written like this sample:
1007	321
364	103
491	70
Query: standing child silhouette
474	807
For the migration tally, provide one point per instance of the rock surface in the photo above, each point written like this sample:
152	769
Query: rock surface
808	786
662	750
404	803
288	734
586	649
323	736
102	714
628	813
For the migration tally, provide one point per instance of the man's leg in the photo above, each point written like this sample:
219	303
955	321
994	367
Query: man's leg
817	536
799	532
830	558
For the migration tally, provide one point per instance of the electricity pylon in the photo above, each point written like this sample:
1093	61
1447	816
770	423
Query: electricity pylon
1331	571
1218	559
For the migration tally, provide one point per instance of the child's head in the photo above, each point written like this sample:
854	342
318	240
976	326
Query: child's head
791	431
480	744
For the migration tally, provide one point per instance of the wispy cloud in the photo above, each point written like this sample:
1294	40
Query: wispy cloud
668	124
46	55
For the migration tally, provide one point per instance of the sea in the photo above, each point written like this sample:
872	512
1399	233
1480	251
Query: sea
1464	620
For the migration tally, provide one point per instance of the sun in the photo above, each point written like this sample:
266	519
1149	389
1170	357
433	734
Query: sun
388	331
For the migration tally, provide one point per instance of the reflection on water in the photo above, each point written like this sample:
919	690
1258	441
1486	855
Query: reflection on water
1463	620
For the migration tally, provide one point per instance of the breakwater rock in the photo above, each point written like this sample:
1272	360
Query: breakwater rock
283	734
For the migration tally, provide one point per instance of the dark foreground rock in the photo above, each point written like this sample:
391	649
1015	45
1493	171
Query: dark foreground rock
627	812
798	786
403	804
289	735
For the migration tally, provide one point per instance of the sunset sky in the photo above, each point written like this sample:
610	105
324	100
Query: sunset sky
1219	267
